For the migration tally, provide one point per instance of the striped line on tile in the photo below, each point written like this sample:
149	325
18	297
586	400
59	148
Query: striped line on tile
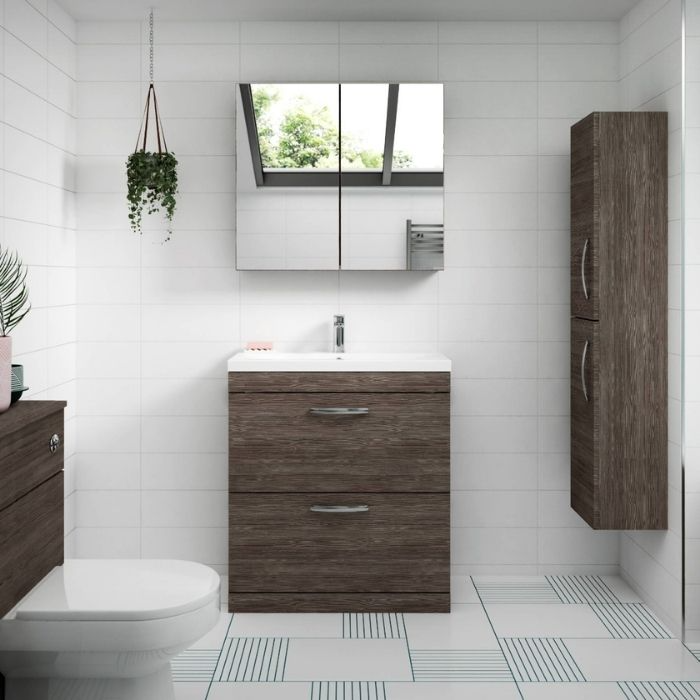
541	660
197	665
630	621
516	592
694	649
582	589
659	690
348	690
459	665
252	659
373	626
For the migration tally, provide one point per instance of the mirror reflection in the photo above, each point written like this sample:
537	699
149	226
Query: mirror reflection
340	176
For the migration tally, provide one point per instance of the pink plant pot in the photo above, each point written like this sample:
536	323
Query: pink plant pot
5	372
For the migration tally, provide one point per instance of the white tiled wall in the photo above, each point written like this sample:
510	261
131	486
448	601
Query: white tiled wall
692	319
650	79
157	322
37	199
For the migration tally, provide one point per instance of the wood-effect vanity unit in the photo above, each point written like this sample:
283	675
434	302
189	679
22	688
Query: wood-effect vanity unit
31	496
619	301
339	491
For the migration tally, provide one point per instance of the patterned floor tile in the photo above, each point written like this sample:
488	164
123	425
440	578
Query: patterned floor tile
538	660
533	589
452	691
348	690
373	626
459	665
195	665
287	625
634	660
214	639
659	690
252	659
462	590
582	589
565	621
630	621
348	660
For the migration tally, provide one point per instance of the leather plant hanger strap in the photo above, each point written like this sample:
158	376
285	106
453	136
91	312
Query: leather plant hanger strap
160	134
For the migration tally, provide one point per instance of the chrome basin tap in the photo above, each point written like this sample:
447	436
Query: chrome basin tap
338	333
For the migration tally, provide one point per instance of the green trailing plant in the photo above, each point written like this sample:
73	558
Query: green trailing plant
151	186
151	175
14	296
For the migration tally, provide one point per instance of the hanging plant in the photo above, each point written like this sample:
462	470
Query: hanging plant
151	176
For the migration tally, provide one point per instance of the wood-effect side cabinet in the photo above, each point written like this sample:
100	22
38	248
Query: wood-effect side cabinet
619	302
339	491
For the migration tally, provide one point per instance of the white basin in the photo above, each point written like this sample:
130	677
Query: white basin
266	361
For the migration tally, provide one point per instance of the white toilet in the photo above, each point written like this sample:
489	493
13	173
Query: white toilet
101	629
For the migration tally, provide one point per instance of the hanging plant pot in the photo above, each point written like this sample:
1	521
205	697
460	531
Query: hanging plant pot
151	175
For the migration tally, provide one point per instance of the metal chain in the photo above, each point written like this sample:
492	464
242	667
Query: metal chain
150	41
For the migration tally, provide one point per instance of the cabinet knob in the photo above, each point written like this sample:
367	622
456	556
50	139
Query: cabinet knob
54	442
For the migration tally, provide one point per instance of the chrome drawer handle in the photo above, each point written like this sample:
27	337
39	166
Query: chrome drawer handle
583	371
339	509
54	443
339	411
583	268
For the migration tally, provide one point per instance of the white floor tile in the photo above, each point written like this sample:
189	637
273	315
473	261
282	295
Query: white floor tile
215	638
466	627
347	659
452	691
190	691
545	620
462	590
259	691
299	625
634	660
622	590
571	691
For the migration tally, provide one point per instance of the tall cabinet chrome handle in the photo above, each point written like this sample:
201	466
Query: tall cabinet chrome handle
339	509
338	411
583	371
584	254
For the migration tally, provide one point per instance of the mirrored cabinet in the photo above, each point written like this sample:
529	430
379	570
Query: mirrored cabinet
340	176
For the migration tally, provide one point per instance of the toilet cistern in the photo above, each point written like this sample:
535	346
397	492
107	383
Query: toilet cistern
339	333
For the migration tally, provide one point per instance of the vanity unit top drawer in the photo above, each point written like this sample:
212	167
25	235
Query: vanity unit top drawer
336	543
28	456
363	382
339	441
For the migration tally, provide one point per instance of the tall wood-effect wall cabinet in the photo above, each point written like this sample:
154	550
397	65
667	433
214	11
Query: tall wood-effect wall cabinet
619	406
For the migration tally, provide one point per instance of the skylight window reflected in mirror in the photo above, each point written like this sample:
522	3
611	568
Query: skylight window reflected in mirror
297	126
363	118
418	140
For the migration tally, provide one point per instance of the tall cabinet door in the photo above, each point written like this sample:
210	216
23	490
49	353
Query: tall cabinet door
585	418
585	217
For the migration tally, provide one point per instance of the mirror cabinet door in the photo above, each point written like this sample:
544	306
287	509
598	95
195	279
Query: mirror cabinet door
347	176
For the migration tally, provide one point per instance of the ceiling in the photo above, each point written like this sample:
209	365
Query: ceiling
358	10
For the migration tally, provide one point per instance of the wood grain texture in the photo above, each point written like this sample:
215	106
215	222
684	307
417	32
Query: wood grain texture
585	218
585	420
339	602
394	382
400	545
631	181
25	458
31	540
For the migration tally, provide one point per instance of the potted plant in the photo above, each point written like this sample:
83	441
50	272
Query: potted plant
151	175
14	306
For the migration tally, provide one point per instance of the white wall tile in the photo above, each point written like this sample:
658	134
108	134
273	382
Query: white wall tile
388	62
289	32
488	32
574	62
285	62
483	62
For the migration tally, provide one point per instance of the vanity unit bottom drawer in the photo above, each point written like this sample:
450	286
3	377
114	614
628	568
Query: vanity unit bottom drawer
317	544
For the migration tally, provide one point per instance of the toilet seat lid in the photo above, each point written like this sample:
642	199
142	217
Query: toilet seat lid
120	589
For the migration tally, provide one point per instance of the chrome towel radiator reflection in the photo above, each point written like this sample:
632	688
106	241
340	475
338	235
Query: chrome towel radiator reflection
425	246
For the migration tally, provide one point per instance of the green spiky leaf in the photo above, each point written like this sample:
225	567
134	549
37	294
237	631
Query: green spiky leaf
14	296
